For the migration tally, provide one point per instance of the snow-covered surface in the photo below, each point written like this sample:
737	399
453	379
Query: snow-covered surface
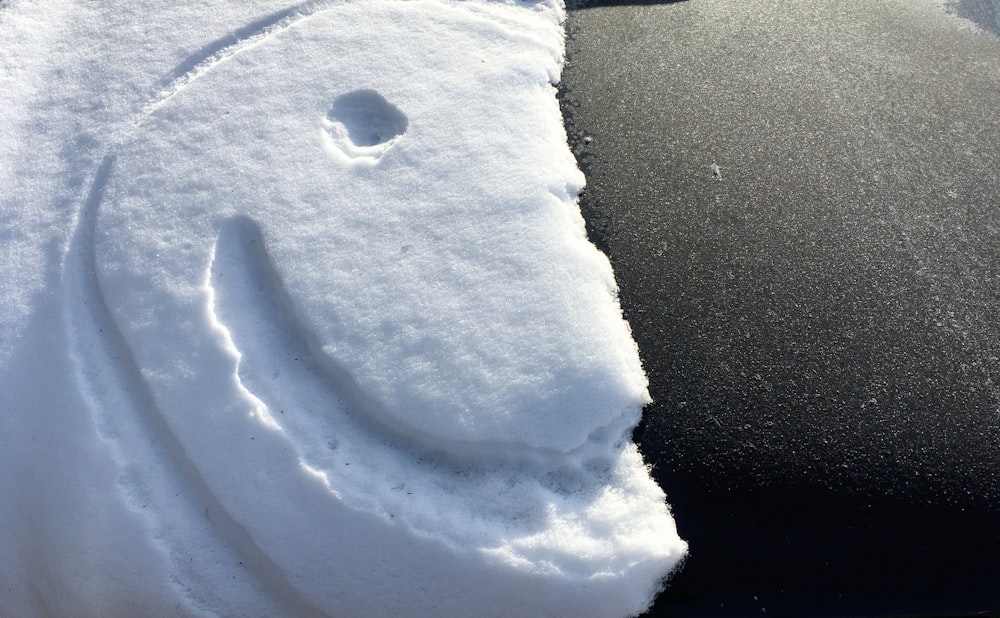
300	318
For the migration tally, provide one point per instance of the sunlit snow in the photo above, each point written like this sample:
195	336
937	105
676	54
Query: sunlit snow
301	320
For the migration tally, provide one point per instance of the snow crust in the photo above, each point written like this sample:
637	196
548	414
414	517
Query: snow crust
301	320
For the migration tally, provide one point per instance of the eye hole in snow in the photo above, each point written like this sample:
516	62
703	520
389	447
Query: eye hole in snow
362	126
369	119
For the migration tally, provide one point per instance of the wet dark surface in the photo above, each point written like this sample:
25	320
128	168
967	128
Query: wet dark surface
801	201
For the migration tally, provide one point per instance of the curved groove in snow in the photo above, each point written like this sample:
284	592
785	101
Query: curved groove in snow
250	300
114	386
331	422
228	46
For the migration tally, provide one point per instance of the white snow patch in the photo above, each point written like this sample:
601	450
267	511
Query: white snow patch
302	320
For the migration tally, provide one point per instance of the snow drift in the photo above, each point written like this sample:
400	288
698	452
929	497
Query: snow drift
338	339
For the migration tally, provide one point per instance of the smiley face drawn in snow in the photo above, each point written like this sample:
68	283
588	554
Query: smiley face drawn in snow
376	200
317	236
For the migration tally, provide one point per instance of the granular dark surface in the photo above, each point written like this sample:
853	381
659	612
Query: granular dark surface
801	201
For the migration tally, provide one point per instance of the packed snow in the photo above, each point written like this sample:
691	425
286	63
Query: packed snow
300	319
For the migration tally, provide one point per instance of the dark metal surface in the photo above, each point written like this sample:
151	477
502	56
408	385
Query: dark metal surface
801	201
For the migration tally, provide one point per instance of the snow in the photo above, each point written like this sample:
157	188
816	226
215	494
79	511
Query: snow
301	320
982	15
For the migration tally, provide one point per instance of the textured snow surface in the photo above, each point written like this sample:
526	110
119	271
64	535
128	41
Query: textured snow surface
300	319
